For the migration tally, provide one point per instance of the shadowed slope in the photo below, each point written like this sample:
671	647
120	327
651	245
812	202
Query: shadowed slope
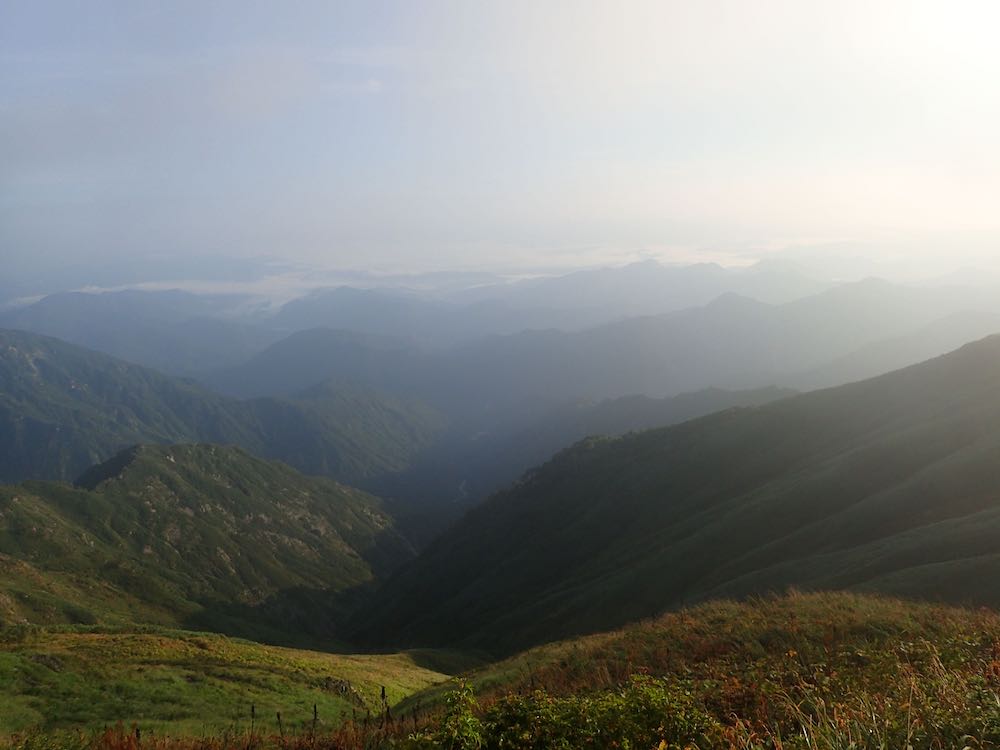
888	484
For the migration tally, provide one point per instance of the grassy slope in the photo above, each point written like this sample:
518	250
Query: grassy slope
195	534
185	683
746	644
800	672
890	484
63	408
819	671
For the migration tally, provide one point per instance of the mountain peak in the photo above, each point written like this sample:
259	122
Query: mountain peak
105	471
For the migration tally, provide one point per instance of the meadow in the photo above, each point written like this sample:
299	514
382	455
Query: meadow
180	683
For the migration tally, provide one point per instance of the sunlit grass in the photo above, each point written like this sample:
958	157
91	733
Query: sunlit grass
187	683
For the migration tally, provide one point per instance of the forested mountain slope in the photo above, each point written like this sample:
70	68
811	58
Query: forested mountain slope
197	535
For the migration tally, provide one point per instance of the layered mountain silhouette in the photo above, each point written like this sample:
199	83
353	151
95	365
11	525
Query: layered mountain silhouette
736	343
652	288
172	331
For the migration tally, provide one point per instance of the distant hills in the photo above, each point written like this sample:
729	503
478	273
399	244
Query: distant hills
424	320
172	331
308	357
183	332
63	408
568	302
888	484
943	335
653	288
520	347
734	343
196	535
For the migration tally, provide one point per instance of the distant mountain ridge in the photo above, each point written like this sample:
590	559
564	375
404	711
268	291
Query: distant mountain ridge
185	333
734	343
422	319
63	408
653	288
172	331
674	330
888	484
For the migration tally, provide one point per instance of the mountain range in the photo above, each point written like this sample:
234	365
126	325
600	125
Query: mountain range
848	332
652	288
518	348
172	331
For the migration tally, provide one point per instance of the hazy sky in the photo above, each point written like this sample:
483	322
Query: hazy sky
471	134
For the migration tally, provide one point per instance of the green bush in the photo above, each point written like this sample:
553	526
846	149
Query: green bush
645	713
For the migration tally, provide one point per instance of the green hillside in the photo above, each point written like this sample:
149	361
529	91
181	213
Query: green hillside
186	683
194	535
63	408
889	485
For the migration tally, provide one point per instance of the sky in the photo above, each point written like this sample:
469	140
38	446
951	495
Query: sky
515	134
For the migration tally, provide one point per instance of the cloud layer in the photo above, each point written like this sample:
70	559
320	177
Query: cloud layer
476	134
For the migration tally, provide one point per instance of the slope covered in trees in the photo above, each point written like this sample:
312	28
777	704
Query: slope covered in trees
198	535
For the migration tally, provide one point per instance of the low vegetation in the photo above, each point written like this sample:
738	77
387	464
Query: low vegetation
816	672
800	672
180	683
